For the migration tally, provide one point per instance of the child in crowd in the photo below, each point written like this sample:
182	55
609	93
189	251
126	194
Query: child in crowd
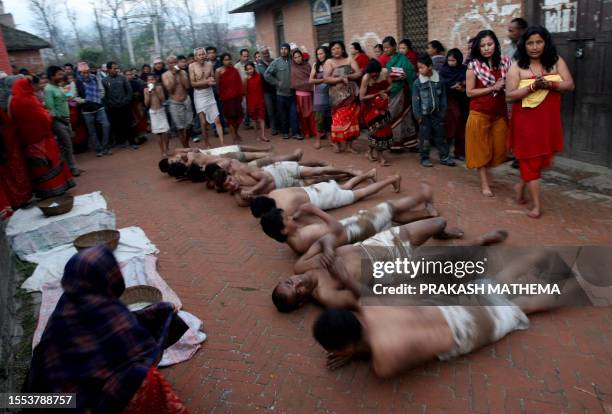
154	100
256	105
429	107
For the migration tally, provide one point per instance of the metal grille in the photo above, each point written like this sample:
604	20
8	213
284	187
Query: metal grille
334	30
414	23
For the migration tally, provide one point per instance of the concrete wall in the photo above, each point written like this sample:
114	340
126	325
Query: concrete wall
454	23
29	59
368	22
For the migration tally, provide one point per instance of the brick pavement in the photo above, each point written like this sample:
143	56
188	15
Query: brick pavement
223	267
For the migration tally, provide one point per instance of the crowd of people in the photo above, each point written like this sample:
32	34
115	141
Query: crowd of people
403	99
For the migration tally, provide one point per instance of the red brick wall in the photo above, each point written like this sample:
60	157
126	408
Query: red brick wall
265	30
297	17
5	64
29	59
454	22
368	22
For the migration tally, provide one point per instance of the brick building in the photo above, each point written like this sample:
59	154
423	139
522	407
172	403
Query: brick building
581	30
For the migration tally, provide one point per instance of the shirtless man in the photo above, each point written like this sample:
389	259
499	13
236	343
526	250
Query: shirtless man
176	83
333	277
201	75
245	183
238	152
397	338
286	226
154	99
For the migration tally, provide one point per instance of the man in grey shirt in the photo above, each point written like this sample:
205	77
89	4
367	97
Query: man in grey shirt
279	75
516	28
118	101
262	65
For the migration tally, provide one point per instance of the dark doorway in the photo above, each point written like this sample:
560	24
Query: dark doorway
582	31
334	30
414	23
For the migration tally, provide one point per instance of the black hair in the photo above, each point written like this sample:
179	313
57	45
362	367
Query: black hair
195	173
549	56
52	70
456	53
280	301
325	50
146	65
24	72
164	165
475	53
357	47
272	224
378	46
223	56
437	45
219	178
334	329
191	55
261	205
110	64
390	40
339	43
424	59
210	170
243	50
181	57
177	169
249	63
209	48
520	22
296	50
153	75
373	66
35	80
406	42
69	65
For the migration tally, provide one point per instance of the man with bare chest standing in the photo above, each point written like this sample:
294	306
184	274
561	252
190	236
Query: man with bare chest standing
176	84
201	75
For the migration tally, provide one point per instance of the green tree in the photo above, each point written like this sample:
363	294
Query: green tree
92	56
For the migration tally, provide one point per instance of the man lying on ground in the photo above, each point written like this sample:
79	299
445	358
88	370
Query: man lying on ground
313	278
250	181
397	338
283	225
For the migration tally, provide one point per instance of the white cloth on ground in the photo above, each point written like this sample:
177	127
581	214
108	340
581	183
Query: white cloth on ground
221	150
29	231
368	222
138	270
328	195
204	100
159	121
386	245
466	325
132	243
285	174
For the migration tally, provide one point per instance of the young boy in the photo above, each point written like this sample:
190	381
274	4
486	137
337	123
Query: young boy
256	106
429	108
154	99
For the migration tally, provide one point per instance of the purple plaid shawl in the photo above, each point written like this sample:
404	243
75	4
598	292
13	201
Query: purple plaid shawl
93	345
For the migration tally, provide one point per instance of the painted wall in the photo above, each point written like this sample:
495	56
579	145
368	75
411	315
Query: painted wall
364	23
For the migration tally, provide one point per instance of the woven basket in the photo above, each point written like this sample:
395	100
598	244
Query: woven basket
141	294
65	203
110	237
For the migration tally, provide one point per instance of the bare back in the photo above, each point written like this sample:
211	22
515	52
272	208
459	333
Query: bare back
289	199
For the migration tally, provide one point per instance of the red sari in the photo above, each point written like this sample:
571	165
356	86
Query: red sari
15	184
155	395
256	105
362	60
230	94
377	117
536	135
49	173
79	138
345	109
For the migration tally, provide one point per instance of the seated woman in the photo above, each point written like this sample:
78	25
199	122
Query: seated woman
95	347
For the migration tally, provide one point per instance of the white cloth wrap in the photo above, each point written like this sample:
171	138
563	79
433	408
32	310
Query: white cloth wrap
386	245
285	174
368	222
159	121
328	195
204	100
221	150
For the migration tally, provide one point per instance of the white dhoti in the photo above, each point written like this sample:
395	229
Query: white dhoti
204	100
466	323
386	245
328	195
220	150
285	174
368	222
159	121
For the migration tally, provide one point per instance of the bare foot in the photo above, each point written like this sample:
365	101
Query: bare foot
263	139
427	191
385	163
448	234
372	174
298	154
397	184
431	210
492	237
535	213
520	194
487	192
353	150
337	148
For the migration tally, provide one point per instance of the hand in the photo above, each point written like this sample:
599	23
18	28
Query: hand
211	81
246	194
345	80
335	361
383	94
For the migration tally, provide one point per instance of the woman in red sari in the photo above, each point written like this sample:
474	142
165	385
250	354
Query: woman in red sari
534	84
15	184
49	173
341	72
230	94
